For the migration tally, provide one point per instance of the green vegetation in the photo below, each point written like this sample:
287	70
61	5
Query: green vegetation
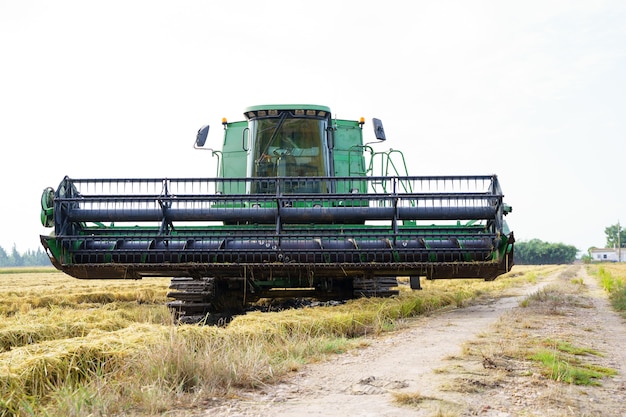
567	347
561	363
537	252
97	347
615	235
612	277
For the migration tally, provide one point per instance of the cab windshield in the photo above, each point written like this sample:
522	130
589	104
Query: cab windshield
288	146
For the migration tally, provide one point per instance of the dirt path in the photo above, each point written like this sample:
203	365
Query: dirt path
457	363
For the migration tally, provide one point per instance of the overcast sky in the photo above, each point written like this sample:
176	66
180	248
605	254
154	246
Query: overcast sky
532	91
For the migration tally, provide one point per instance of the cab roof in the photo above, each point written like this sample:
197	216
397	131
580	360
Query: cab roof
274	110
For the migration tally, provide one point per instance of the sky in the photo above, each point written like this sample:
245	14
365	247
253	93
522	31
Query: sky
533	91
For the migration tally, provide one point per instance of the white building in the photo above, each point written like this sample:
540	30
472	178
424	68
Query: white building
608	255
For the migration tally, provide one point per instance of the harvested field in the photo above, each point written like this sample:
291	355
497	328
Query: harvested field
81	348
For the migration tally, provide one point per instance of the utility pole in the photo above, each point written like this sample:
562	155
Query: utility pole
619	244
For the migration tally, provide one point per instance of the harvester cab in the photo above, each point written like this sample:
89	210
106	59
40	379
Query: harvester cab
301	207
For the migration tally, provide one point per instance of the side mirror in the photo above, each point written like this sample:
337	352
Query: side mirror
202	135
379	132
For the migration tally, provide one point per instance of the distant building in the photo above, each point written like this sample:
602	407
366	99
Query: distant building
608	254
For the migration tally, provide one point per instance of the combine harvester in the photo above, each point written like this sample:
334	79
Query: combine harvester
301	208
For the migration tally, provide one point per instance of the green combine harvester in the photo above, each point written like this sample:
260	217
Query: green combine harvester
301	207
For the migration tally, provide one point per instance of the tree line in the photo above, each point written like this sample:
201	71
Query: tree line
538	252
28	258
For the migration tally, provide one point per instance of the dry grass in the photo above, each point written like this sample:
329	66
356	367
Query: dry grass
82	348
435	407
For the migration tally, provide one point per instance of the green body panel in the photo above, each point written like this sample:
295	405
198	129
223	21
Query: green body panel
233	162
348	155
348	149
